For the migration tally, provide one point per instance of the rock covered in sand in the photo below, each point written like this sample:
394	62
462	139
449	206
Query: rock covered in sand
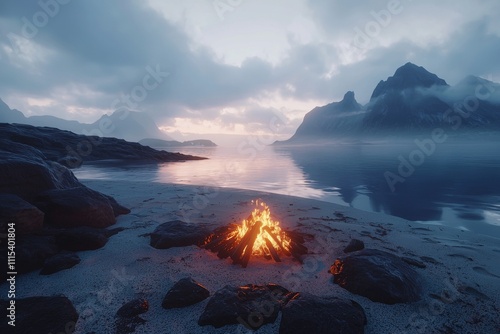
250	305
184	293
380	276
177	233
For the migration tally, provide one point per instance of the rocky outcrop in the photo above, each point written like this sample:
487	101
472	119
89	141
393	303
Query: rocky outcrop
251	305
184	293
160	143
39	182
73	150
51	210
177	233
380	276
25	171
306	313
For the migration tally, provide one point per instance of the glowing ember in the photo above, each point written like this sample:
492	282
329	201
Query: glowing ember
258	235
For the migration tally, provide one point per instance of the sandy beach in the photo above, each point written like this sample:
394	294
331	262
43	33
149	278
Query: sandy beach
461	280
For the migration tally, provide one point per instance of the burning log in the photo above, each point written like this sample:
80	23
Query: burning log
258	235
273	252
246	242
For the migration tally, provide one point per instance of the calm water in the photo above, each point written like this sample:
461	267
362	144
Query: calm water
457	185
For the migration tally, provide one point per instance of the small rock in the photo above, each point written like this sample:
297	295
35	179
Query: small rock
177	233
41	315
133	308
128	316
82	238
380	276
354	245
184	293
251	305
306	313
59	262
26	217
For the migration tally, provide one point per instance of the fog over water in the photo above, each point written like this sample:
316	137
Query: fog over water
457	185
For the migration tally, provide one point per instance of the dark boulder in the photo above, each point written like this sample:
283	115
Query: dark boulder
177	233
41	315
354	245
133	308
128	316
117	208
53	188
306	313
82	238
78	206
380	276
59	262
251	305
184	293
26	217
24	171
32	251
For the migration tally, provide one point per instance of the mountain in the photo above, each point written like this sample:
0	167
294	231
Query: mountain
130	125
337	118
406	77
411	102
124	124
8	115
159	143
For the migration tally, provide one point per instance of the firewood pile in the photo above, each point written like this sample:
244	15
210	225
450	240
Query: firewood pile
257	237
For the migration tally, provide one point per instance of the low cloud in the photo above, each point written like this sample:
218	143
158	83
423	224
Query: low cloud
91	53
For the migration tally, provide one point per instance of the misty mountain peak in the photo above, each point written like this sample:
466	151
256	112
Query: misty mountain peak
408	76
349	102
472	80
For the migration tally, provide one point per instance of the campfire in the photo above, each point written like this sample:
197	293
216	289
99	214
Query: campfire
258	235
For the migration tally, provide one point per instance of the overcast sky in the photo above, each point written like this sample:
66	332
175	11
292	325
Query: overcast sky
230	66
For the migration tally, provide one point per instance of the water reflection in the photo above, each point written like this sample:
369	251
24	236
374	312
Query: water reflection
459	185
228	167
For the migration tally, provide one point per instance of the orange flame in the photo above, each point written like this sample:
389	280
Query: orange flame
270	231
